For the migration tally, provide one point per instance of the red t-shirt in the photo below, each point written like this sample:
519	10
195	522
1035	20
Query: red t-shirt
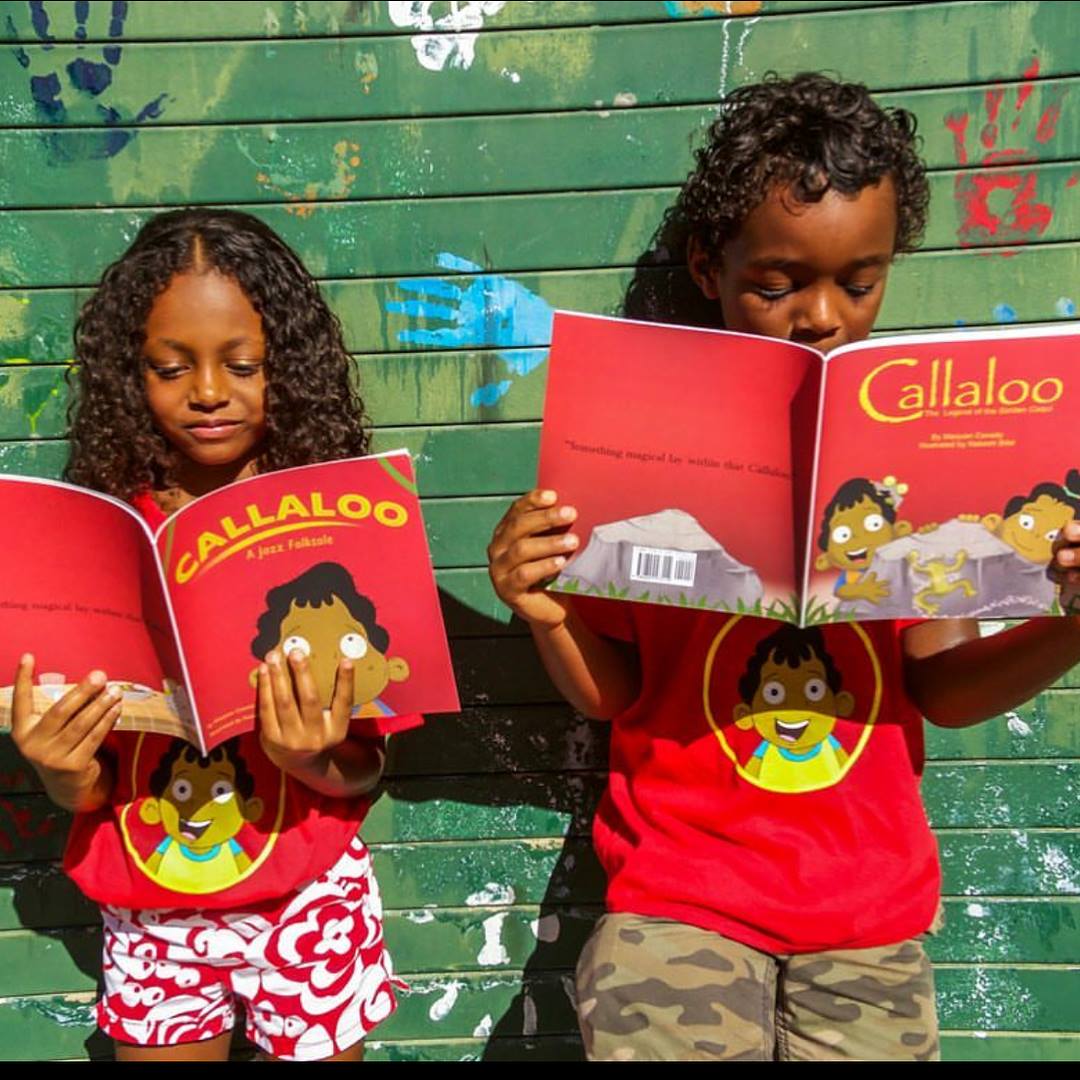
226	832
765	784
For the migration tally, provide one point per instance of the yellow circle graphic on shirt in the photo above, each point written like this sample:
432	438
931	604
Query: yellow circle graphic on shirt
198	816
793	713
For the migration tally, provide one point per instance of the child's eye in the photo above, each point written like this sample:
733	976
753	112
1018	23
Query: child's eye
771	294
841	534
296	643
773	692
167	372
859	290
873	523
245	371
353	646
181	790
222	791
1026	521
1052	535
814	689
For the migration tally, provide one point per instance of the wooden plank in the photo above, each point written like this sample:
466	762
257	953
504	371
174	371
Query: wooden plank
308	164
516	233
194	20
1008	931
527	805
561	69
1006	999
929	289
1044	727
992	1046
1011	863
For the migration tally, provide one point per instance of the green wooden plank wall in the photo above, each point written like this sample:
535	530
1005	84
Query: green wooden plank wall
520	159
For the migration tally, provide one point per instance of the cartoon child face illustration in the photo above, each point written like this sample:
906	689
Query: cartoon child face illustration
859	519
322	615
201	802
1030	526
792	697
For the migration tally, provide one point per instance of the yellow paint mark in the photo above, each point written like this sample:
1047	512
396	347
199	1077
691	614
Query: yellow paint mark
714	7
306	194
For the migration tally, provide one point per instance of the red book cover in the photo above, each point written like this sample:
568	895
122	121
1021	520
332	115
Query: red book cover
331	559
909	477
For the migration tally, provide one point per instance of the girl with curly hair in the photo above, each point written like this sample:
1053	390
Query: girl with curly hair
207	354
772	907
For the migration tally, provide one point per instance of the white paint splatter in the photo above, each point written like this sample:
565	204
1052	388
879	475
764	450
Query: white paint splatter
978	911
483	1029
1016	725
494	952
624	99
546	928
725	50
1063	877
440	1009
513	76
420	917
529	1023
456	47
492	894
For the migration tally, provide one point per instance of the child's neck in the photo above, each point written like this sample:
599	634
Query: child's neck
194	480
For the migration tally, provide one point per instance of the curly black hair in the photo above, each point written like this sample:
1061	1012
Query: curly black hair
314	412
847	496
1067	493
810	133
813	135
792	646
313	588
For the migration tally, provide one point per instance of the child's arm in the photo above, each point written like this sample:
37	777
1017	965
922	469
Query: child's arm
64	744
957	678
598	676
310	742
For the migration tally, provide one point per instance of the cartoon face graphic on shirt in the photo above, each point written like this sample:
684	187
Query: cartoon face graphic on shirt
201	803
321	614
792	697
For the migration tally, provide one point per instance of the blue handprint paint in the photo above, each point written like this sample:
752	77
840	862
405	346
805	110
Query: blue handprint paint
487	311
88	77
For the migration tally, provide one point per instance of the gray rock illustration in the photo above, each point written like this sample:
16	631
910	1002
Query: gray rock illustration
959	570
629	555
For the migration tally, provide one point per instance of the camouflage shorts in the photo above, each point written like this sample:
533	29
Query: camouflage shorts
653	989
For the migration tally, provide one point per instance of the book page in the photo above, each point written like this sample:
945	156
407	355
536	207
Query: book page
948	464
676	446
80	589
331	559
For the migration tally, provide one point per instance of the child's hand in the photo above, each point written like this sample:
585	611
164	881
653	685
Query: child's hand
522	554
1065	566
294	728
63	743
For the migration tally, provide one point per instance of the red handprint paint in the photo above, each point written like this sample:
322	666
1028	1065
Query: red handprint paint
999	204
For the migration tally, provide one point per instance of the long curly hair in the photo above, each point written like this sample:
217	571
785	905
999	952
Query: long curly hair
810	133
314	411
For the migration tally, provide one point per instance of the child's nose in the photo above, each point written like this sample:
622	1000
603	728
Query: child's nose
820	316
209	387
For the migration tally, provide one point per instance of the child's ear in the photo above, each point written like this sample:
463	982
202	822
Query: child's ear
742	716
397	669
902	528
253	678
253	810
845	704
150	812
992	522
822	561
702	268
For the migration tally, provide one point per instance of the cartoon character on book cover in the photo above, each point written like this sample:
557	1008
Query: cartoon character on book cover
970	566
323	615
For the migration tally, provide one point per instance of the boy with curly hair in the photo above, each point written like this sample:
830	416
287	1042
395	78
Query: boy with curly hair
772	913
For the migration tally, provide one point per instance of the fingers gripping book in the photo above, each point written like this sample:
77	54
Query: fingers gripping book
919	476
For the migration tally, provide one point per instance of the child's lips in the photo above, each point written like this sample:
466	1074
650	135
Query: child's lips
857	556
212	430
791	732
193	830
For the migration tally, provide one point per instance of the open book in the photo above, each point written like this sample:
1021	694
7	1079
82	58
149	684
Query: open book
921	476
331	559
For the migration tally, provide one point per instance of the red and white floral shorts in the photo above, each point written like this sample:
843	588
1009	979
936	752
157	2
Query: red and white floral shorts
313	973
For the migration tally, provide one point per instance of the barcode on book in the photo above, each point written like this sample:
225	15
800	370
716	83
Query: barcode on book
660	567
